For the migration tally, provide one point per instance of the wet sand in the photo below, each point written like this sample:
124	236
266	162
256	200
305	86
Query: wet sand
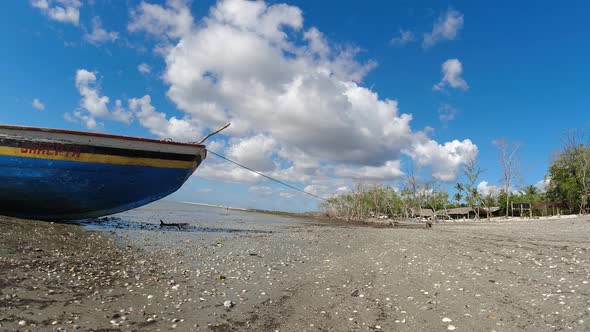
506	276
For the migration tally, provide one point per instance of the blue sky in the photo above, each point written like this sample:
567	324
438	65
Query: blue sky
320	93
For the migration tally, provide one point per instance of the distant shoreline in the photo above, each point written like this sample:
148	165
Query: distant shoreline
318	216
213	205
305	215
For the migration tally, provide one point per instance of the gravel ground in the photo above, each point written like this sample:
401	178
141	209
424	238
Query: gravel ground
506	276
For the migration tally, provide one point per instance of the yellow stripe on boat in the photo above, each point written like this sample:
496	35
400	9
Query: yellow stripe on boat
101	159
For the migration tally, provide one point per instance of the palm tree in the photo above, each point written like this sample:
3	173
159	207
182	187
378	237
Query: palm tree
530	191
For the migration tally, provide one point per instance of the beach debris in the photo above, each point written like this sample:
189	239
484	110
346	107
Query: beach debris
355	293
179	225
104	219
228	304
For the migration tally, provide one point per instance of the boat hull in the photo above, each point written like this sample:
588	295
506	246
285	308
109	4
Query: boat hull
88	177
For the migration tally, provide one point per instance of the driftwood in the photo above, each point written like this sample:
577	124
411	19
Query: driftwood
104	219
179	225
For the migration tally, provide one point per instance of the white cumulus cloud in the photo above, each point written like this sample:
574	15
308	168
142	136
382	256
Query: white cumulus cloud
445	28
93	105
444	159
173	21
485	189
144	68
158	124
37	104
389	170
65	11
405	37
447	113
452	70
296	102
98	34
542	184
255	151
261	190
227	172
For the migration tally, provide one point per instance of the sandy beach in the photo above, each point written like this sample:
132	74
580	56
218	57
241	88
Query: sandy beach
504	276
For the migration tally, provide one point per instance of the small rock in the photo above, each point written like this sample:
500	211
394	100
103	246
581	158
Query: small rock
22	323
447	320
451	327
228	304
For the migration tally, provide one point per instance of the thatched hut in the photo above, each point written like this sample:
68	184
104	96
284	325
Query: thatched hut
466	212
423	213
549	207
455	213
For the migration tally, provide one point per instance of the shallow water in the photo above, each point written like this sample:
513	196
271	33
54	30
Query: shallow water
204	216
204	223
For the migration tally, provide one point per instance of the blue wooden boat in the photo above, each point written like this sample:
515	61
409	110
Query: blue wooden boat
51	174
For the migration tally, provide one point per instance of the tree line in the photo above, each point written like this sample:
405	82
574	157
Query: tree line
568	186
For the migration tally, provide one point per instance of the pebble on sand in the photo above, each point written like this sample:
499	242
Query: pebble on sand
22	323
228	304
451	327
447	320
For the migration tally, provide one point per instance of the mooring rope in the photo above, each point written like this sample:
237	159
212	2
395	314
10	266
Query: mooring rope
268	177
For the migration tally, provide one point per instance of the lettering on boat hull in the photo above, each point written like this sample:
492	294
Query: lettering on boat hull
51	149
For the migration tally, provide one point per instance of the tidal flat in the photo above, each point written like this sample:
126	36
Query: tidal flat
238	271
